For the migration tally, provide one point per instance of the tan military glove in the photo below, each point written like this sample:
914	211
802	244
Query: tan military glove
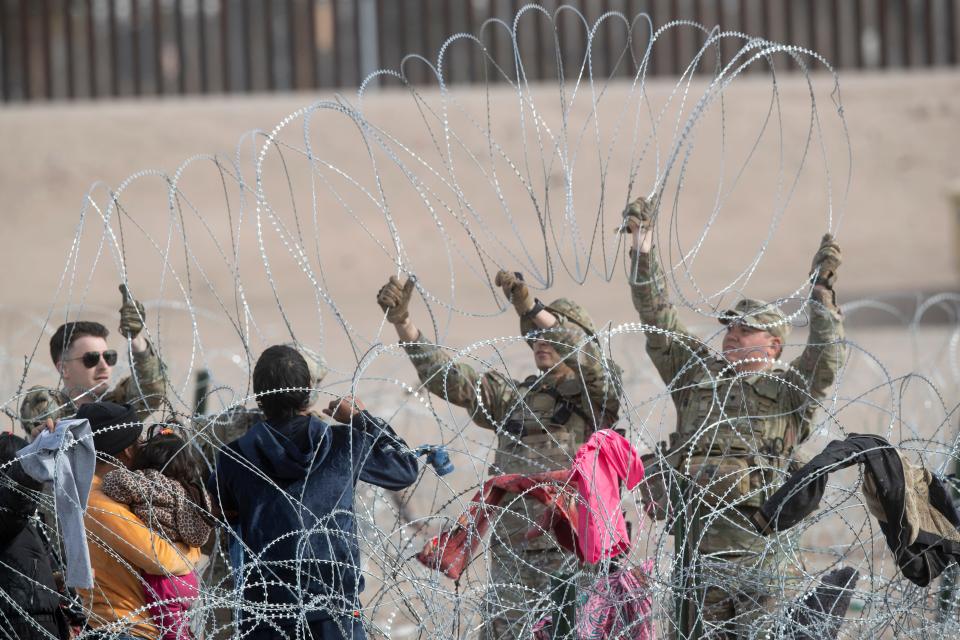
132	314
394	299
516	291
826	262
825	296
638	216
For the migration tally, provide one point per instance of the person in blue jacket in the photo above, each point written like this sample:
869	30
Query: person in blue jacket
287	490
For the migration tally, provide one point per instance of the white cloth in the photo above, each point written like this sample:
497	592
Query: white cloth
67	458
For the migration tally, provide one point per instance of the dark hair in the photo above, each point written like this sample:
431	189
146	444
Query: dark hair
9	445
282	382
172	456
65	336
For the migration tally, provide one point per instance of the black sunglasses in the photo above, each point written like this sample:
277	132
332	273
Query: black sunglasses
92	358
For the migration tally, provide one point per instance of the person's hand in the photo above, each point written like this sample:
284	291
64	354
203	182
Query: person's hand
638	221
47	425
516	291
637	217
394	299
824	295
826	262
132	314
344	409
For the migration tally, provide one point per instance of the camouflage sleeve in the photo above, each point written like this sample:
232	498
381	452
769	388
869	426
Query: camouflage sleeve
673	346
816	369
146	388
458	382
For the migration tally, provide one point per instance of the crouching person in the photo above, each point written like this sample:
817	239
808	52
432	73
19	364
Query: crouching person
287	490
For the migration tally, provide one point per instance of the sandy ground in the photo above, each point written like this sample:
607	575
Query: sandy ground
212	259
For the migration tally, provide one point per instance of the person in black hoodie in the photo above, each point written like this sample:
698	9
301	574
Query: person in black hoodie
30	600
287	487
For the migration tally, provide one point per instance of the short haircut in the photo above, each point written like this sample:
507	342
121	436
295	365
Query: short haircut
65	336
281	380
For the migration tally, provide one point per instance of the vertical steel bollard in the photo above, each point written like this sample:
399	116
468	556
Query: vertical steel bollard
200	392
681	562
564	594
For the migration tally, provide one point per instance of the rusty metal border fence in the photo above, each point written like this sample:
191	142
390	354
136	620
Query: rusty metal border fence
94	49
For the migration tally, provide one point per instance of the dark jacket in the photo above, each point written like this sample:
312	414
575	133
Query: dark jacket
26	569
922	557
291	488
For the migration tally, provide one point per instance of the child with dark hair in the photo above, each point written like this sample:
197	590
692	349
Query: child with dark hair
164	488
287	489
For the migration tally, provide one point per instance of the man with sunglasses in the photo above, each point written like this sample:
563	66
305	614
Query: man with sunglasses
85	363
741	414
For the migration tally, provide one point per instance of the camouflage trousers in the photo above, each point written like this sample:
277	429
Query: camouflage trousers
520	589
743	583
735	600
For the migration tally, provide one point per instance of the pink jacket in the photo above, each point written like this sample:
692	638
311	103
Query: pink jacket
605	460
169	599
595	530
619	605
451	551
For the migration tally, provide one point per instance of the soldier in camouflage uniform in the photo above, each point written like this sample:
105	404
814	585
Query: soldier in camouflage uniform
79	352
540	423
740	416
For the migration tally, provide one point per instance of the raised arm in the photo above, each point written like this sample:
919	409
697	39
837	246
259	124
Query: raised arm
457	382
601	377
385	459
673	346
146	387
815	370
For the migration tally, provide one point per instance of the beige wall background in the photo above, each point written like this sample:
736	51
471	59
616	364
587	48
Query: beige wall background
749	169
464	199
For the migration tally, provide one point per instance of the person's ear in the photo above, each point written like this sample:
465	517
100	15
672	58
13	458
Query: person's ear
777	343
126	456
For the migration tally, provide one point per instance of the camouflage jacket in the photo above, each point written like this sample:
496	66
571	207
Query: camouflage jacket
745	421
540	422
145	389
494	401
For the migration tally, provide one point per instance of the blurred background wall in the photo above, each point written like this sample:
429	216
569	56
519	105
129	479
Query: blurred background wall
82	49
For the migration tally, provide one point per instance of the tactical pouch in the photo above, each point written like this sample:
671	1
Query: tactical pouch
535	453
723	480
